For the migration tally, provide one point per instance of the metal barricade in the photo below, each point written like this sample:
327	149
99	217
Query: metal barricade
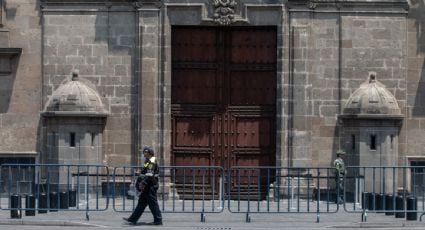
397	191
183	189
55	187
281	190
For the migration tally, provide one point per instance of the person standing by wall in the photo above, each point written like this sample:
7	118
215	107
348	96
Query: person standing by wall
340	171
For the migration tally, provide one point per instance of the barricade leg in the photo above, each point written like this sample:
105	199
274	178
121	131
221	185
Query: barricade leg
203	217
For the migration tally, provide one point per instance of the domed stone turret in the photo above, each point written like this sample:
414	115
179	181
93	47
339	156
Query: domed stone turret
370	125
75	98
372	99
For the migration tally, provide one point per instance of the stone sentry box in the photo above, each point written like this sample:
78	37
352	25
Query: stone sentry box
371	121
74	119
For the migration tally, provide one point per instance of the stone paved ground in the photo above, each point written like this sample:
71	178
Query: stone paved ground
225	220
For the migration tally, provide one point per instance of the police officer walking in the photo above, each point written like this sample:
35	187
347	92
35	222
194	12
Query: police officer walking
340	171
147	184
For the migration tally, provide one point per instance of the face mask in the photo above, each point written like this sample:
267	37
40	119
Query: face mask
143	158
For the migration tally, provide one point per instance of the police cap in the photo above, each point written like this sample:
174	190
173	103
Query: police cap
147	149
340	152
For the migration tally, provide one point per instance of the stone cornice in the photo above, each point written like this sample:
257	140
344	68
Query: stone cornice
106	4
10	51
316	4
73	114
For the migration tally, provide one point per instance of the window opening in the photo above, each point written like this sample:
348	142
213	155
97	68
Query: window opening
93	138
372	142
72	140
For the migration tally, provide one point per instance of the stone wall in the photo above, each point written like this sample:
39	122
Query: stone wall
414	146
334	49
20	89
378	44
325	52
99	41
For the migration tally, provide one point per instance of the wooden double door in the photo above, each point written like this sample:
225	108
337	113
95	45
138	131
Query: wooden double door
223	99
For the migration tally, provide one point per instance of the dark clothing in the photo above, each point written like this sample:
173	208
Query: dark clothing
148	186
339	179
148	197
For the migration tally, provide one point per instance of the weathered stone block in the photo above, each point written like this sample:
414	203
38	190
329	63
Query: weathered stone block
121	91
119	109
100	50
121	70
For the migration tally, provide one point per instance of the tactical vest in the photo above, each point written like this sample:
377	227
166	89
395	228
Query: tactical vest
339	166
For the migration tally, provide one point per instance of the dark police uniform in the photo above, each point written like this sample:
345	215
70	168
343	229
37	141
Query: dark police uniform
339	176
147	185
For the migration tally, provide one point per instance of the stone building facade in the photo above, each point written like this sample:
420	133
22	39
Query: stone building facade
123	49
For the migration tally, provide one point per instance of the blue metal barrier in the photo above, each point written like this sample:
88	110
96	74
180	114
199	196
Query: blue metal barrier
183	189
398	191
385	190
49	184
281	190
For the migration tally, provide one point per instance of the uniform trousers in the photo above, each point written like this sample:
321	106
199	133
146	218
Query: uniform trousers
147	197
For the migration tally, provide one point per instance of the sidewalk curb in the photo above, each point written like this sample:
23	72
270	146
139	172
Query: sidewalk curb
47	223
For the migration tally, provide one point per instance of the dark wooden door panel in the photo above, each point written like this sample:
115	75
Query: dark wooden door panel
191	176
193	132
253	45
253	132
194	44
194	86
223	98
252	88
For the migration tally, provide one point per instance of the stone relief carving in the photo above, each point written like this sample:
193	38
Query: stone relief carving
312	5
224	12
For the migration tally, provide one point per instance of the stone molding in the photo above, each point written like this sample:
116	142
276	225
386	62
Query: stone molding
6	56
316	4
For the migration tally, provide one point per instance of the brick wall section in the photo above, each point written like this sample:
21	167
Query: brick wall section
325	79
375	43
323	59
20	91
415	123
316	94
101	45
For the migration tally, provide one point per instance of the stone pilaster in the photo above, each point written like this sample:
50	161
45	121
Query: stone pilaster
151	97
